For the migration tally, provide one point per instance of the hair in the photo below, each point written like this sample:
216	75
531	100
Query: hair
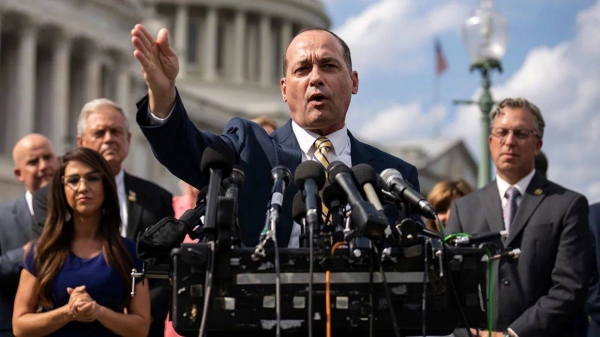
265	121
520	103
444	192
347	56
54	244
91	107
541	163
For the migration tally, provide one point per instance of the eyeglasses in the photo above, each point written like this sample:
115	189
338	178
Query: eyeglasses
520	134
72	181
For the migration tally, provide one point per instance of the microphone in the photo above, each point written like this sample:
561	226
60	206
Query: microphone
310	177
280	176
232	185
396	184
298	214
217	161
335	199
368	221
481	237
366	177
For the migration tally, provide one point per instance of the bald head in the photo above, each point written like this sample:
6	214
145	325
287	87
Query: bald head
35	161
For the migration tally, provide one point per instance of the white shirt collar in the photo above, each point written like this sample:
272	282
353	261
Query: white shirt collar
29	200
306	139
521	185
120	180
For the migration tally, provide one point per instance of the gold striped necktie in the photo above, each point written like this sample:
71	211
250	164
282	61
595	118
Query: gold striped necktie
322	147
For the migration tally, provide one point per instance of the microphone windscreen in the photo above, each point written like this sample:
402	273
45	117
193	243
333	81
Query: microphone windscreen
364	173
281	173
309	170
298	207
332	192
336	168
190	217
217	156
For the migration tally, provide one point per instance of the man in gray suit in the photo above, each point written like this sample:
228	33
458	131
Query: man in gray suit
541	293
35	165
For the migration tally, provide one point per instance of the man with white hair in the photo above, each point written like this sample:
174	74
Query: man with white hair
35	166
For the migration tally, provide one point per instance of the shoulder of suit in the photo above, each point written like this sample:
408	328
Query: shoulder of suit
556	189
385	156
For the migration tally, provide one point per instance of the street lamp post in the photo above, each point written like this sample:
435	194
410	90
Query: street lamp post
485	35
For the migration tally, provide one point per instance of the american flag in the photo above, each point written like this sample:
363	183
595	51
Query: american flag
440	60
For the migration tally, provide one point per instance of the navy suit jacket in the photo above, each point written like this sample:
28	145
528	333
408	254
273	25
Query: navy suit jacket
542	293
593	302
179	146
14	234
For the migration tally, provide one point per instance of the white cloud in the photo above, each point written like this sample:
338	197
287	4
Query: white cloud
398	30
403	122
564	81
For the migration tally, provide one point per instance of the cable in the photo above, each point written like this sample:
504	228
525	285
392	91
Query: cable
328	294
277	288
208	286
310	279
456	235
425	277
388	297
371	290
489	299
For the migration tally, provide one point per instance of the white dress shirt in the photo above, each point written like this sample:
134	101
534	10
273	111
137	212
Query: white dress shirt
521	185
341	151
120	181
29	201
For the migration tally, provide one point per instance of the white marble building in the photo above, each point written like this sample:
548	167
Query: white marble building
55	55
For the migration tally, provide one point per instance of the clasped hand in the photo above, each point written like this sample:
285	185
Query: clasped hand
82	307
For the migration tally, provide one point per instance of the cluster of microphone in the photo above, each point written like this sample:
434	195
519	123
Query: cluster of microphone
353	201
344	202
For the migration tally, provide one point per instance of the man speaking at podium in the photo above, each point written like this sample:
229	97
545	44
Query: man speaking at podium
317	86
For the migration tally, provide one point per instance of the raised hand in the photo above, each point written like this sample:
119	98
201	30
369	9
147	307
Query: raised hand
160	66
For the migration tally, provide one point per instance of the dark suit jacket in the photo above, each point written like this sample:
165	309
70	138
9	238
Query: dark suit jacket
14	233
543	291
179	146
150	204
593	302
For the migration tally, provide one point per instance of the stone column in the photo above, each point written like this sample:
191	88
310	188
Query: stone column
239	47
266	52
61	67
25	80
286	38
181	37
92	72
210	49
123	84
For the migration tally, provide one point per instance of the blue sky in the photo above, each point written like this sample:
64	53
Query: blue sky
553	59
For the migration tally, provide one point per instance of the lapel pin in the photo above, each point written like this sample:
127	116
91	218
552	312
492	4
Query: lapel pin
538	191
132	196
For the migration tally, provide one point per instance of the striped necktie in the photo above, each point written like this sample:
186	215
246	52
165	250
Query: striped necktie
510	209
322	147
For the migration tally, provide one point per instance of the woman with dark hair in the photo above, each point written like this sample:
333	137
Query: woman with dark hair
442	195
76	277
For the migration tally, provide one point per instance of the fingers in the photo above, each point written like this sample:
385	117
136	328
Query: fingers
146	41
163	43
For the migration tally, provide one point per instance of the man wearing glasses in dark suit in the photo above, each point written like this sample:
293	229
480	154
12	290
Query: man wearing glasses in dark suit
541	293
